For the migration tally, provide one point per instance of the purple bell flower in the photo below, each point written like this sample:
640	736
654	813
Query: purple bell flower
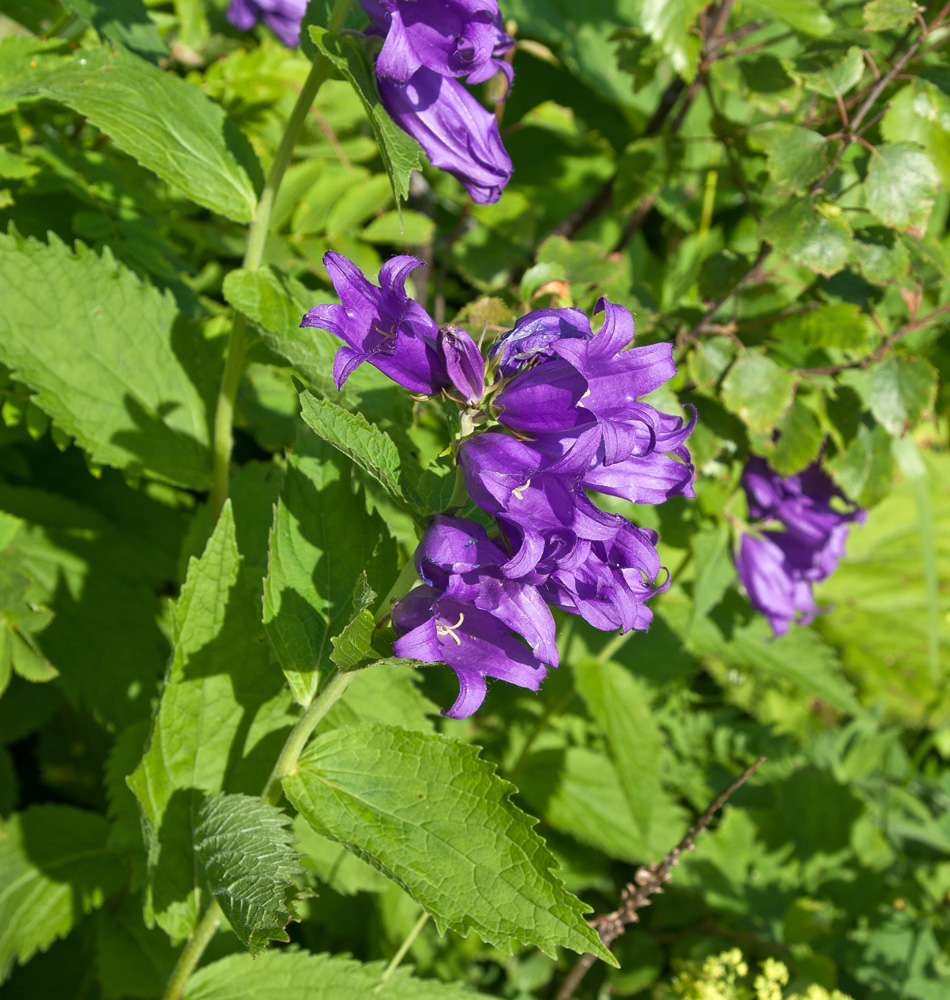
455	38
456	132
470	616
778	568
463	361
381	325
283	17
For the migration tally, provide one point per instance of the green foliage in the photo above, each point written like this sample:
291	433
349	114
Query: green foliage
123	22
318	976
244	846
167	124
427	813
55	866
221	687
145	414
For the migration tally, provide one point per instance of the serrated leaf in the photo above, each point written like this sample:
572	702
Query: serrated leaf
828	73
864	470
129	399
55	866
758	391
168	124
398	151
621	704
222	696
809	236
890	15
244	846
283	975
714	568
901	186
123	22
800	437
902	389
432	816
353	647
371	449
322	542
670	26
840	324
28	661
796	156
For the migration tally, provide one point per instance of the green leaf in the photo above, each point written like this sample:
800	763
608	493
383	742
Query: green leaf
890	15
901	186
28	661
282	975
130	957
334	865
389	693
370	448
410	229
714	568
805	16
864	469
581	262
399	151
670	25
841	324
902	389
123	22
139	403
433	817
799	440
645	167
827	73
244	846
815	236
920	114
758	391
621	704
168	124
323	544
222	697
353	647
796	156
54	867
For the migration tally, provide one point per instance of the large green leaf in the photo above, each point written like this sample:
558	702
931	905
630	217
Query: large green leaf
215	727
758	391
811	234
108	358
168	124
398	150
670	25
428	813
245	848
901	186
902	389
55	866
123	22
372	449
322	542
621	704
283	975
796	156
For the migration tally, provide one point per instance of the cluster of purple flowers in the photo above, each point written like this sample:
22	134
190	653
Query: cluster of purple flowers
429	46
561	415
779	567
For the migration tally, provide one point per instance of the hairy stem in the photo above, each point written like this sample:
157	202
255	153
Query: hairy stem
253	254
193	950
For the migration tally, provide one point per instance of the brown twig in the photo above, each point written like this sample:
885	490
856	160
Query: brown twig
648	881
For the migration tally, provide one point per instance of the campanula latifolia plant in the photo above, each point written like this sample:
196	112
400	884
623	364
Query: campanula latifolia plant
474	499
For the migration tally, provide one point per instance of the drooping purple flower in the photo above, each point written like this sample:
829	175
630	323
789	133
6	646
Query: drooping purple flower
455	38
470	616
456	132
283	17
381	325
779	567
609	586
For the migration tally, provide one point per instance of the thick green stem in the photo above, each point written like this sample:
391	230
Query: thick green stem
253	254
191	955
299	735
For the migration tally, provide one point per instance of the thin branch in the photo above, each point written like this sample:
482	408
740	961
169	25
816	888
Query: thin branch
648	881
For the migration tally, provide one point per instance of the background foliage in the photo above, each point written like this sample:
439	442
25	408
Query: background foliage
765	184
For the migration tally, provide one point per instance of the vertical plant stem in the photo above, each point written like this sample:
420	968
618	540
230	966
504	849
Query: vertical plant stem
253	254
192	952
403	948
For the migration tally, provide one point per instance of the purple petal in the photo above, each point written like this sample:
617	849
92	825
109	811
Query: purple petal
463	361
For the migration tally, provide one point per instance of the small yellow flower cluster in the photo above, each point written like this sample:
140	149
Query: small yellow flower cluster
724	977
